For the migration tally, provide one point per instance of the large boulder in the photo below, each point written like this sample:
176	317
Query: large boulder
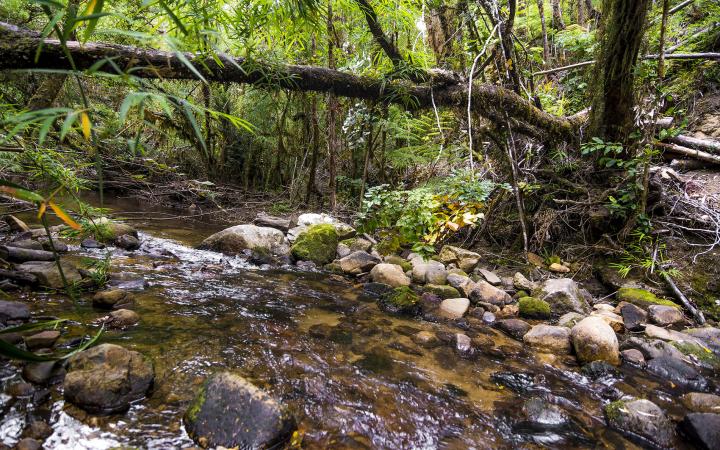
317	244
48	275
280	223
235	239
594	340
390	274
549	338
420	269
641	418
464	259
107	378
358	262
563	295
231	412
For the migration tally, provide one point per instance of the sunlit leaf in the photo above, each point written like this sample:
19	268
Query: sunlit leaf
86	125
64	216
41	210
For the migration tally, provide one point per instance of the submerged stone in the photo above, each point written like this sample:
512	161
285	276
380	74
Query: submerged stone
677	372
401	300
641	419
231	412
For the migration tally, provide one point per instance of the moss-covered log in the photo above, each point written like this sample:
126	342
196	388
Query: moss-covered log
18	49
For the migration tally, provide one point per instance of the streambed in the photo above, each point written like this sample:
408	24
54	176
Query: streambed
363	384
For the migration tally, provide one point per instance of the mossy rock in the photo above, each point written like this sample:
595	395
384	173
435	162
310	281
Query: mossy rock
642	298
458	272
704	355
317	244
400	261
613	410
534	308
442	291
401	300
333	267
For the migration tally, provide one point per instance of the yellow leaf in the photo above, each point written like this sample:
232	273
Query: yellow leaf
509	64
86	125
64	216
41	211
91	7
453	226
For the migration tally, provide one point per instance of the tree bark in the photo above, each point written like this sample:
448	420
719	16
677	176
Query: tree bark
546	47
612	114
663	28
19	47
332	109
557	19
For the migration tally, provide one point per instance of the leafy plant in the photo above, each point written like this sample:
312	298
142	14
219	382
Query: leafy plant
11	351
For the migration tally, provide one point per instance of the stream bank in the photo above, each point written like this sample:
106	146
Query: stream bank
320	344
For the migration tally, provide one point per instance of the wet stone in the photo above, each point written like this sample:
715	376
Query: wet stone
633	357
122	318
701	402
702	430
518	382
541	415
376	289
641	418
44	339
113	299
28	444
13	311
47	372
403	348
463	346
127	242
20	389
664	315
677	372
599	369
38	430
634	317
426	339
513	327
91	244
549	338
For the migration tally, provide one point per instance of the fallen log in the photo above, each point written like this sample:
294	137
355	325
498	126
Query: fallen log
19	51
707	55
689	152
690	164
696	143
20	255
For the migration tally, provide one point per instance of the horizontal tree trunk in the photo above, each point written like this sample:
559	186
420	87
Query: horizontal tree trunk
690	153
17	254
693	142
707	55
18	48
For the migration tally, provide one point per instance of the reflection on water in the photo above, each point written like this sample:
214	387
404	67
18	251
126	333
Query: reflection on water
364	384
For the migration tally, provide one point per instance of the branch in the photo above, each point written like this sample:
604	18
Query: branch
707	55
388	47
18	49
700	144
690	153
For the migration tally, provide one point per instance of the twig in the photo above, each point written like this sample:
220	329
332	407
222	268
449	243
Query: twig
697	314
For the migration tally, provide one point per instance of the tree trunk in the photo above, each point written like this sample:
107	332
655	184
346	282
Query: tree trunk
314	144
580	12
557	19
19	47
611	117
663	29
546	47
332	110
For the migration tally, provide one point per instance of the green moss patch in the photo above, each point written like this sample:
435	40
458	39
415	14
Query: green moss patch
613	410
401	300
442	291
703	354
534	308
400	261
317	244
641	297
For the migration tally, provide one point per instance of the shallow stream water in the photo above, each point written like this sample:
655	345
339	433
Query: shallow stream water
366	385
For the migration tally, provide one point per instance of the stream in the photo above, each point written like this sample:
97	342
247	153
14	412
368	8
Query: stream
362	384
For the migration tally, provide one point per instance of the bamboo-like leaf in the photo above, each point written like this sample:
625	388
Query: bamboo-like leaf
173	17
86	125
45	324
19	192
64	216
10	351
183	59
67	124
196	128
41	210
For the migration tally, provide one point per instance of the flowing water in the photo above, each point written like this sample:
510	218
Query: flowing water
363	385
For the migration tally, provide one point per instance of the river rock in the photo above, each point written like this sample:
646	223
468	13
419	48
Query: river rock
549	338
401	300
318	243
231	412
702	429
458	281
28	244
464	259
13	311
634	317
487	293
507	312
534	308
28	444
570	319
563	295
615	321
390	274
652	349
677	372
235	239
113	299
664	315
358	262
463	345
127	242
48	274
701	402
641	418
279	223
16	225
106	378
442	291
489	276
122	318
708	335
454	308
425	339
633	357
89	243
523	284
541	415
44	339
44	372
421	267
514	327
666	334
436	274
594	340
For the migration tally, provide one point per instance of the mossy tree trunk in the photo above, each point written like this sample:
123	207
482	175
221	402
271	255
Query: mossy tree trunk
622	30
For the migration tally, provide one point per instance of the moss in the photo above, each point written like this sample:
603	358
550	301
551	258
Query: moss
400	261
534	308
196	405
401	300
317	244
458	272
333	267
641	297
442	291
703	354
389	244
521	294
613	410
348	242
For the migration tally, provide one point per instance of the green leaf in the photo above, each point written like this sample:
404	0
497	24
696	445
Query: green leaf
181	56
191	118
33	326
173	17
19	192
68	123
